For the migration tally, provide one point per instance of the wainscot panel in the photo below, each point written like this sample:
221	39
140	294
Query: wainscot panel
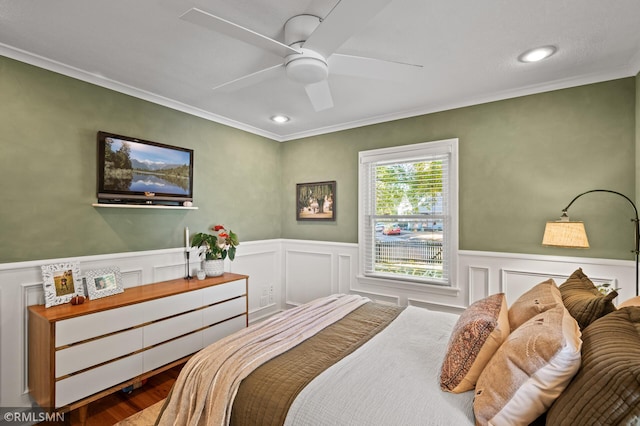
314	269
513	274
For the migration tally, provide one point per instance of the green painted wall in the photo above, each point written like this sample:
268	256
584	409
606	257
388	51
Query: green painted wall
521	161
48	156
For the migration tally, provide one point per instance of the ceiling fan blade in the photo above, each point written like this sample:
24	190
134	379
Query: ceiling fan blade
347	18
380	69
251	79
319	95
215	23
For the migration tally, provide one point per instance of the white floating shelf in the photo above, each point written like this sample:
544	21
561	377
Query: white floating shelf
142	206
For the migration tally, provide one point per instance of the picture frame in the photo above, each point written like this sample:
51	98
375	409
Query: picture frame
61	282
316	201
103	282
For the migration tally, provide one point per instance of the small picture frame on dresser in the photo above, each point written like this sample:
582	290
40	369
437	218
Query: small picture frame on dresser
61	282
103	282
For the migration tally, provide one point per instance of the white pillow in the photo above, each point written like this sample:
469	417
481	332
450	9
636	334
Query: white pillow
529	370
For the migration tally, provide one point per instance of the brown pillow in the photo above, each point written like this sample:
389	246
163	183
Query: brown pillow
583	300
538	299
606	389
530	370
477	335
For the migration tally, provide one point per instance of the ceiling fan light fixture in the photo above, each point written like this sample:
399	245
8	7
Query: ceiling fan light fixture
280	119
307	67
537	54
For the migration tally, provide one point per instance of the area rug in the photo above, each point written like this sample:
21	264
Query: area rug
146	417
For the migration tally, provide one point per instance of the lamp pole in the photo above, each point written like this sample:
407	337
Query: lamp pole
635	220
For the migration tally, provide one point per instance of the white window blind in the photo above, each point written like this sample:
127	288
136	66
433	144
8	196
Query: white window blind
408	212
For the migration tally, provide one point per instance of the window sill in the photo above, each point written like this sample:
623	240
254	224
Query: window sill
408	285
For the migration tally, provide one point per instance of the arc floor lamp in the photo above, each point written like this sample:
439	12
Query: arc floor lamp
572	234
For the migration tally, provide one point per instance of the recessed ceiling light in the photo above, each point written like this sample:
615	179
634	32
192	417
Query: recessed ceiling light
537	54
280	118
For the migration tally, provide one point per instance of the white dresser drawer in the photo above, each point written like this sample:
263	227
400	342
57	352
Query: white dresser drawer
168	306
223	311
84	355
224	291
88	326
172	327
218	331
171	351
84	327
84	384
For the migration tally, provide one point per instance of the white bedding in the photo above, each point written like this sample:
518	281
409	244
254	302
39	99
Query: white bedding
392	380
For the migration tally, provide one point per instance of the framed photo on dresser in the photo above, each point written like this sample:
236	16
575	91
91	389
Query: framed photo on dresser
104	282
61	282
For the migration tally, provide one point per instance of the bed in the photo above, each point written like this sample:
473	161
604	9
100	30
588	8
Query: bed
345	360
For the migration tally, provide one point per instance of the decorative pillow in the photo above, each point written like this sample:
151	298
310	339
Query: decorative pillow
583	300
477	335
528	372
538	299
606	389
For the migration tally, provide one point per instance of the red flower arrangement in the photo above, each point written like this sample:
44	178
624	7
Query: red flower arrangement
219	245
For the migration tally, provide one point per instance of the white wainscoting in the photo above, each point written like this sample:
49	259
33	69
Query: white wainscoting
513	274
285	273
314	269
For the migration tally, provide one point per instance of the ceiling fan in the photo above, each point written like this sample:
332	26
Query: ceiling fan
309	48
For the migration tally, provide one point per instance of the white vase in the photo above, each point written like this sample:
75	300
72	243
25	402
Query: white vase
213	268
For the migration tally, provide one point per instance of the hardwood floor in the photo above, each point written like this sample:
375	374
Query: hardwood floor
118	406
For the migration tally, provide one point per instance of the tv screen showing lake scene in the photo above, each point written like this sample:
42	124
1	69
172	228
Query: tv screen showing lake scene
135	167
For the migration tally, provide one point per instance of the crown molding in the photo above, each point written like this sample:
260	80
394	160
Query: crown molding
628	70
78	74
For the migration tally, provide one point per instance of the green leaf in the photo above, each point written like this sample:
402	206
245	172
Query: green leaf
234	238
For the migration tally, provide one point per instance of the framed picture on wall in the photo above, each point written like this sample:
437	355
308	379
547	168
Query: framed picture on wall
61	283
316	201
104	282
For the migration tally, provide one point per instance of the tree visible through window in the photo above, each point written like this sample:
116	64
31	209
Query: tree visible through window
407	225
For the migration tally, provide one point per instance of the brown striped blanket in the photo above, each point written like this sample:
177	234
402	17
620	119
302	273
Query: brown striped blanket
265	396
254	375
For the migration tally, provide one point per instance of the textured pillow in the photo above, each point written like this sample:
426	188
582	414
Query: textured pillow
606	389
538	299
477	335
528	372
583	300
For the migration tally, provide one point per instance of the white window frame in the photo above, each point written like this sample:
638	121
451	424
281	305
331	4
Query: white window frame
408	153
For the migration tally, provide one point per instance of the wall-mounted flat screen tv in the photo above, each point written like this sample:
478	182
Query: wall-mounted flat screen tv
136	171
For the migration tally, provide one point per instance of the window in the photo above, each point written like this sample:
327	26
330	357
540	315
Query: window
408	212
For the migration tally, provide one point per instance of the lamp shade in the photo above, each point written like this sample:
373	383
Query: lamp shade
563	233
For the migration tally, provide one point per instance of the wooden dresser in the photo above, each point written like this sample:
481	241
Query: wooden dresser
80	353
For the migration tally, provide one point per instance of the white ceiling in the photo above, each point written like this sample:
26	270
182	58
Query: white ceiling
468	50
